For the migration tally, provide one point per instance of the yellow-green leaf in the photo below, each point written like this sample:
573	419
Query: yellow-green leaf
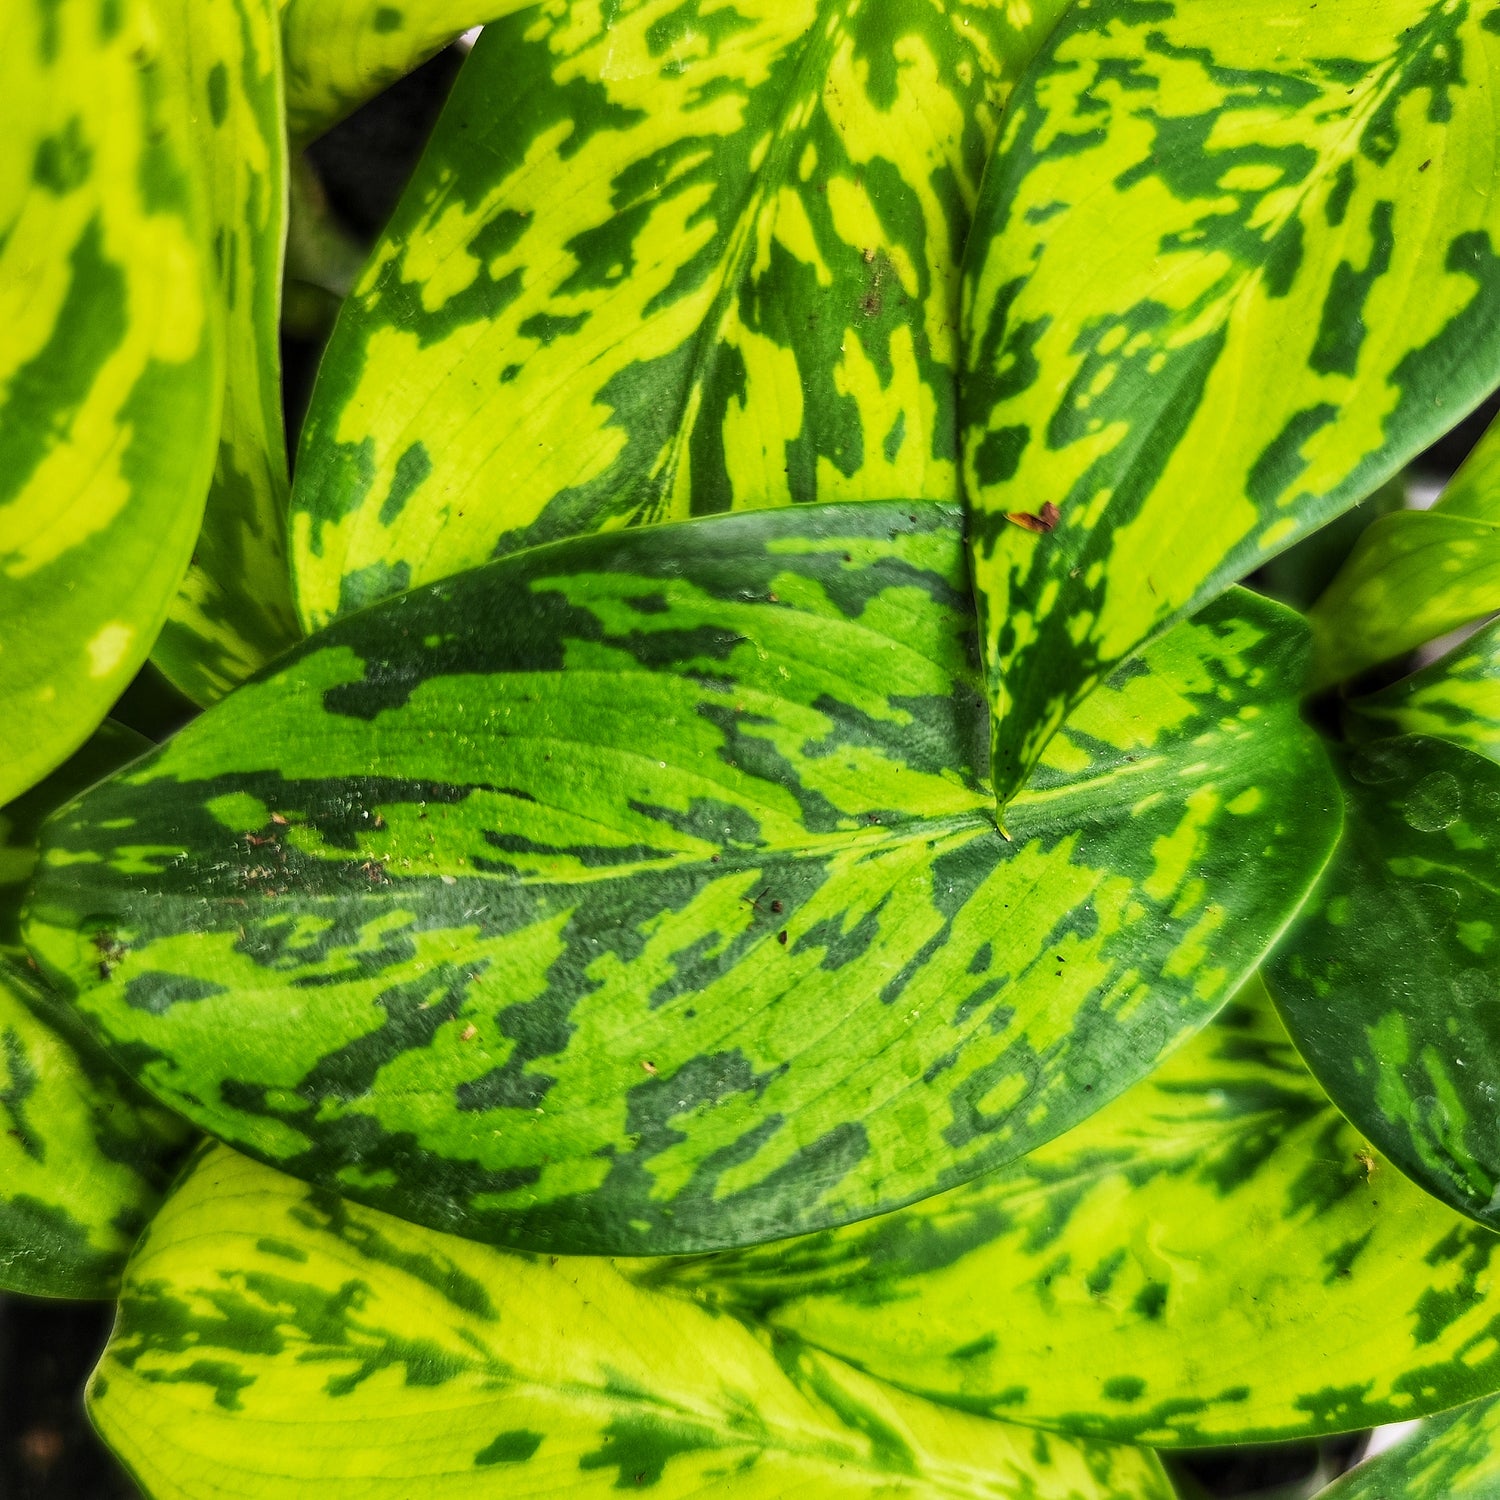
234	610
1412	577
1452	1457
1456	698
340	53
1233	264
83	1157
659	262
1216	1257
110	368
276	1342
561	934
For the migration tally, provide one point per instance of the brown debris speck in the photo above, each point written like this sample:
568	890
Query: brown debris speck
1042	522
650	1067
278	820
781	937
468	1033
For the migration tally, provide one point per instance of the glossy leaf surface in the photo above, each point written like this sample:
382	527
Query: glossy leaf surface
1452	1457
658	263
83	1161
1217	1257
339	53
274	1341
559	936
234	610
1456	698
109	368
1390	982
1233	265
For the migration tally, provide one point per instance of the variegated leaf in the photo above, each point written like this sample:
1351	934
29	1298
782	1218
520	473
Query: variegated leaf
1452	1457
339	53
234	610
660	260
110	368
275	1342
1456	698
1411	578
1218	1257
1233	264
1390	982
83	1160
558	935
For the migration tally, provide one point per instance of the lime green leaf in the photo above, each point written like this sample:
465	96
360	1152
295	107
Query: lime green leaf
234	610
109	368
1233	264
1475	490
1411	578
1456	698
83	1161
1390	983
1452	1457
1217	1257
339	53
573	921
276	1342
657	263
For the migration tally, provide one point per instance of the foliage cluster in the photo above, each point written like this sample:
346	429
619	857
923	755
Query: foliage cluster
751	908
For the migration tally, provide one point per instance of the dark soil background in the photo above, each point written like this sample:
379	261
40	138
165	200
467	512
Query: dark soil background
48	1451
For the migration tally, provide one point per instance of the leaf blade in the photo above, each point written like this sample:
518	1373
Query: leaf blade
1262	187
574	921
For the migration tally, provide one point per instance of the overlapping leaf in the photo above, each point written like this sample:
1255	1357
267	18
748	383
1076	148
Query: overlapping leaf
1456	698
1215	296
234	610
1217	1257
674	915
274	1341
109	369
83	1161
660	260
340	53
1390	983
1452	1457
1416	576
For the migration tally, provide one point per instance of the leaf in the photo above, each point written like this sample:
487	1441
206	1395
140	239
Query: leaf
1456	698
110	369
558	935
658	262
1452	1457
1475	490
273	1341
1390	983
1232	265
1413	577
234	611
1215	1258
339	53
83	1161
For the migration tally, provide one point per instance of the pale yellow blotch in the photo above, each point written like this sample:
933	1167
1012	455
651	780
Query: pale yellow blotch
108	648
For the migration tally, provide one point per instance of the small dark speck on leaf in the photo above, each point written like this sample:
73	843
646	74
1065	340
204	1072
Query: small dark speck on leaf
781	937
778	907
650	1067
1425	165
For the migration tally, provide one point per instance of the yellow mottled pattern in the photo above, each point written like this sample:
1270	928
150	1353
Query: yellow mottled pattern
668	342
1158	1273
341	52
408	1361
109	370
1119	212
234	610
